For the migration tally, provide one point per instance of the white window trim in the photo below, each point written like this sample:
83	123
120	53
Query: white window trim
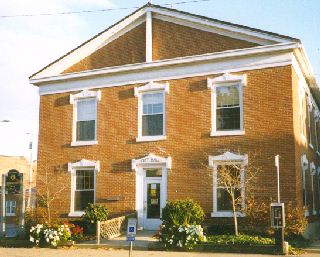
72	168
302	95
316	127
214	162
313	172
304	167
226	79
151	87
309	122
85	94
10	214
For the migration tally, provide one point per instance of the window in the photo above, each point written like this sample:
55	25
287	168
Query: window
228	179
304	167
309	125
313	173
83	185
303	111
227	105
152	114
316	129
227	108
151	111
85	117
10	208
84	191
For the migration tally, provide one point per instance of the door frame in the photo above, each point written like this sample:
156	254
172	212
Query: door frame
139	166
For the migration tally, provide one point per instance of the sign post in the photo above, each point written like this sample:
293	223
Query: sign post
131	232
278	215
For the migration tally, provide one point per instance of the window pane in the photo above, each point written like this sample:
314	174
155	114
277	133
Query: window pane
154	173
228	118
84	179
86	130
224	200
86	109
82	198
227	96
152	125
152	103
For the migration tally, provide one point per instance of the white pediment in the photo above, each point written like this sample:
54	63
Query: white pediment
86	94
313	169
228	78
151	160
151	86
228	156
304	161
84	164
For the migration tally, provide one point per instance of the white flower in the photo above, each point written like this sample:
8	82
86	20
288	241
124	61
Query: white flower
31	239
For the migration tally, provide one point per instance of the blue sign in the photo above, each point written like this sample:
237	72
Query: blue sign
131	238
131	229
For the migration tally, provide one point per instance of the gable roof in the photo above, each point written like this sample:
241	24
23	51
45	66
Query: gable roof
137	17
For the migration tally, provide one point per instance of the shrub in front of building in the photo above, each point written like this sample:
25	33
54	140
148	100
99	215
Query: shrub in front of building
181	227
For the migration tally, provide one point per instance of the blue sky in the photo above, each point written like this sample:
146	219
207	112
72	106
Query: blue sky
29	43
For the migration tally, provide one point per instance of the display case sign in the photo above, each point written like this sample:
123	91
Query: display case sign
277	215
14	182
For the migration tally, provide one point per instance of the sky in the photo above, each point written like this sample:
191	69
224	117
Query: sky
29	43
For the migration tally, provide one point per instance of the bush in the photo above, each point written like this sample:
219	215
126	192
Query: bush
95	212
259	213
241	239
182	236
181	224
182	212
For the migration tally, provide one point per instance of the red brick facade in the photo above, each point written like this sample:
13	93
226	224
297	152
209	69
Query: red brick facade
271	123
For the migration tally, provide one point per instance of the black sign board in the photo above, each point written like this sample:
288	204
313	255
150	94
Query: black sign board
277	215
14	182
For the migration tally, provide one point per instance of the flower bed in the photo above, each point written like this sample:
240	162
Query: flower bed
239	240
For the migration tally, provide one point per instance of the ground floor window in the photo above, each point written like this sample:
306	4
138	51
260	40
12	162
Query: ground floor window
11	208
83	185
228	183
84	191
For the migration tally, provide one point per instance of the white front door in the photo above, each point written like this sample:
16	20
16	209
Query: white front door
154	197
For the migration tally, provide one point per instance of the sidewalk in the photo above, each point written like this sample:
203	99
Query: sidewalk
144	241
314	247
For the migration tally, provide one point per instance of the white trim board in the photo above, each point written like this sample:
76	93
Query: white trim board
179	60
169	72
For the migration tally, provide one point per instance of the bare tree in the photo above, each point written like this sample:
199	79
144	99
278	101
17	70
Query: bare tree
48	192
234	181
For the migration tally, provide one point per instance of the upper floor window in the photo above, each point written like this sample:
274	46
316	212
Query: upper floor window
316	129
309	124
151	111
303	111
304	168
85	117
152	114
11	208
227	105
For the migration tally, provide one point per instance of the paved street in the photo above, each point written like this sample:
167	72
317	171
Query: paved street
34	252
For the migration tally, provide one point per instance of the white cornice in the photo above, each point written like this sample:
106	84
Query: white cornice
151	86
85	94
84	164
151	160
175	61
228	157
227	78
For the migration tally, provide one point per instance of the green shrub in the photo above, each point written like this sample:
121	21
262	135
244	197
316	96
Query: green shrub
181	225
95	212
241	239
182	212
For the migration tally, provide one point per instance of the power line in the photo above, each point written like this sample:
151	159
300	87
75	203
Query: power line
94	11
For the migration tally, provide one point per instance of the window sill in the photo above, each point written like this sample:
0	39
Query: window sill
306	213
76	214
314	212
318	153
10	214
311	146
150	138
226	214
227	133
83	143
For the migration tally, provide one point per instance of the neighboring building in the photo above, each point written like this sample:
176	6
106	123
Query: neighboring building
149	109
13	205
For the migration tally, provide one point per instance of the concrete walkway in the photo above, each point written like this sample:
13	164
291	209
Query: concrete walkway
145	240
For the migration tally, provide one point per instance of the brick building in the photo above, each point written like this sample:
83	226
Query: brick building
150	109
13	205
